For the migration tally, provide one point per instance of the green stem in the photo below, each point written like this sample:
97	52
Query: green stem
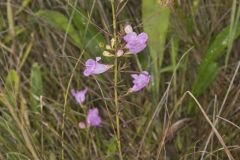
116	82
117	107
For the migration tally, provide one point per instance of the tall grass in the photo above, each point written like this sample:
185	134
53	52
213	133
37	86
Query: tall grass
190	110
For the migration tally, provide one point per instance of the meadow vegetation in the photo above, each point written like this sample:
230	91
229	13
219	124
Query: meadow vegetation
189	108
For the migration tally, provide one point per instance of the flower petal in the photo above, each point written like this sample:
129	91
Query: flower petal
136	43
136	48
93	67
73	92
79	95
90	63
98	59
88	71
130	37
134	76
100	68
140	81
142	37
93	118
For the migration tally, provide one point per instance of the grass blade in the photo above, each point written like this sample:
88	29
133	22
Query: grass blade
36	87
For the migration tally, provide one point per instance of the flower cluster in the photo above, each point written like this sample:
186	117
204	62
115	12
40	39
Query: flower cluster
133	44
93	118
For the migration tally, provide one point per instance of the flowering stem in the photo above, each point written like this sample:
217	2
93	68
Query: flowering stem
118	138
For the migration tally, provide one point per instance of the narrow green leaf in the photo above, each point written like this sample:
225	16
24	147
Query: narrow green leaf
235	15
174	54
220	43
11	87
25	3
61	22
90	36
36	87
206	76
111	150
195	7
18	30
10	19
174	50
155	22
80	30
208	69
204	79
215	51
12	81
1	21
52	156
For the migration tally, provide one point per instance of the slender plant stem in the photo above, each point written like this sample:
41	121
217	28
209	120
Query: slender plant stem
114	23
116	81
117	108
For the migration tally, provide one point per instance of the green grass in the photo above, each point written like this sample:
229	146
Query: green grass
190	110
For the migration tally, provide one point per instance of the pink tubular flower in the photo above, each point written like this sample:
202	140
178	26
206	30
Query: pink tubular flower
93	118
93	67
140	81
136	43
79	95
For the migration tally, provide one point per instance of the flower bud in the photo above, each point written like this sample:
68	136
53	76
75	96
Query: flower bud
108	47
107	54
128	29
82	125
119	53
112	42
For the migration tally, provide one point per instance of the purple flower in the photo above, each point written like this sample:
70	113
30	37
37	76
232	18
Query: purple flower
93	67
79	95
136	43
140	81
93	118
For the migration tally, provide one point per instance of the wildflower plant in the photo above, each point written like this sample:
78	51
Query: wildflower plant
75	84
131	43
